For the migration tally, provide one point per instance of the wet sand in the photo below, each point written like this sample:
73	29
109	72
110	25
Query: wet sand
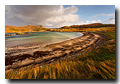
25	57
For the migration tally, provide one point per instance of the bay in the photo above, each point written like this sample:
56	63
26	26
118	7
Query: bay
39	37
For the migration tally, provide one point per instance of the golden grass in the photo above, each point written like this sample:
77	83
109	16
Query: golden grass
68	70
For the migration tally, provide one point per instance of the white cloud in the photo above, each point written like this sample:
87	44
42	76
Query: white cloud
106	14
110	21
80	22
93	21
46	15
63	20
103	15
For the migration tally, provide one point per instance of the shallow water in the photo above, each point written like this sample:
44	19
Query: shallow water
39	37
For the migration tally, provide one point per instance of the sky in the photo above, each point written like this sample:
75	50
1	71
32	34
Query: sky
55	16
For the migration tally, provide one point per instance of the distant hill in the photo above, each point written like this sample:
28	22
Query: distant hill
28	28
94	25
40	28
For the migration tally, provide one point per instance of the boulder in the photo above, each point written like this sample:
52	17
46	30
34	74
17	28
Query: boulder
67	51
27	62
23	63
38	60
8	67
41	53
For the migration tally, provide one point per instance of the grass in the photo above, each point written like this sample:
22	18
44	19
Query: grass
95	64
112	34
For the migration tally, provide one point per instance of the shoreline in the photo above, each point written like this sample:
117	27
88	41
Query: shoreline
55	52
37	43
31	47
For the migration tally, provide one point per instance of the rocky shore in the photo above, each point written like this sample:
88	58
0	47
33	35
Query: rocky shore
53	53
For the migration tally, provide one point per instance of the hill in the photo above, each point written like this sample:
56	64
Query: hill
94	25
28	28
73	28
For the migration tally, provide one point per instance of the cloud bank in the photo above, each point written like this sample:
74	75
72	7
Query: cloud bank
46	15
51	16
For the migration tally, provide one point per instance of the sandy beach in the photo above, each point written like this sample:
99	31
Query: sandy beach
30	55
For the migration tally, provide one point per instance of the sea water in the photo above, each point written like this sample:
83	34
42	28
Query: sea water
39	37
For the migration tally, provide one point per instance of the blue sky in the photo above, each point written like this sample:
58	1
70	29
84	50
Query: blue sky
88	12
57	16
95	12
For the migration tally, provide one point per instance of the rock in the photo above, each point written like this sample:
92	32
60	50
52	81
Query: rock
63	55
14	66
8	67
16	60
32	58
9	70
27	62
57	49
67	51
38	60
41	53
111	40
45	49
79	48
23	63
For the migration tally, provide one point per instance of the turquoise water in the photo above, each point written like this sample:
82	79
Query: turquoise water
40	37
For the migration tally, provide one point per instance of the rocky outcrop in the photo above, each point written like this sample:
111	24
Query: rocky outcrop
58	52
